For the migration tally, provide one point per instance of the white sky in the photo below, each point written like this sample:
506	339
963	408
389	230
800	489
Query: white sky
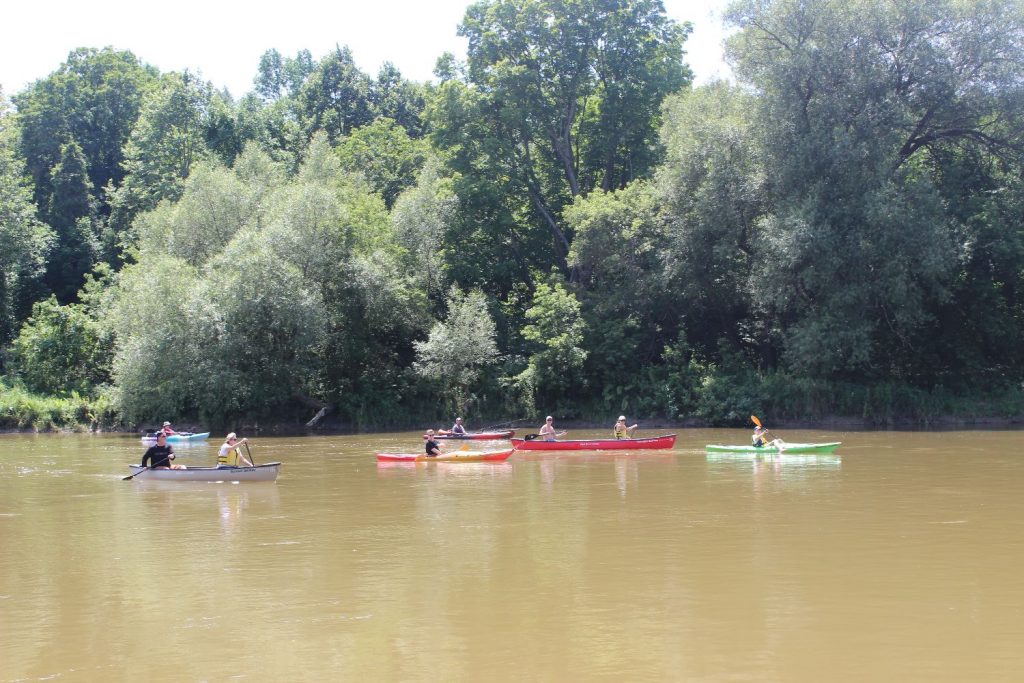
223	39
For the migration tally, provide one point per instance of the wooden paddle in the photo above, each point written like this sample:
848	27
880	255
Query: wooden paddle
250	453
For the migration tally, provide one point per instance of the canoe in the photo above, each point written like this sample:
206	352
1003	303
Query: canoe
180	436
787	447
454	456
654	442
267	472
477	436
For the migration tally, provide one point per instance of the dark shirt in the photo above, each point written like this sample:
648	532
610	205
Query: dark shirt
458	429
431	446
158	456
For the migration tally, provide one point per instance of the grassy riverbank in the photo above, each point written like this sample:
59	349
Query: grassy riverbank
720	401
22	410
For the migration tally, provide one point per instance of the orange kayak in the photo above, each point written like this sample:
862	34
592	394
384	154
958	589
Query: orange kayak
454	456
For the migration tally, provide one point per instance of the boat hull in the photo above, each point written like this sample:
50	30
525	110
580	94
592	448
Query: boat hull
652	443
478	436
457	456
178	438
267	472
828	447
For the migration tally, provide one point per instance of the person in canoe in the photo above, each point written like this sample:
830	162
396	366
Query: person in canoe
166	429
229	454
547	432
160	455
458	429
621	431
432	448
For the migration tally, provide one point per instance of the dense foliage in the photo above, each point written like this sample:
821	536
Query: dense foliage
561	224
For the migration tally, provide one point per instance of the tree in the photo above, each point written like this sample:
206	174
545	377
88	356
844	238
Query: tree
62	349
385	155
459	348
567	94
92	100
855	103
70	214
168	138
555	334
24	240
335	97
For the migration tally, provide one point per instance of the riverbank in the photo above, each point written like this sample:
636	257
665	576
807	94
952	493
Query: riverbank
837	407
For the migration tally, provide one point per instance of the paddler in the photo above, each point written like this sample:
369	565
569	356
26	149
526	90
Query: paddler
621	431
229	454
433	449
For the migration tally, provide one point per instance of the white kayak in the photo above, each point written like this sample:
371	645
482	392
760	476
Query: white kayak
267	472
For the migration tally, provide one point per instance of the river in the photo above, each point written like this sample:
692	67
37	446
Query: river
898	558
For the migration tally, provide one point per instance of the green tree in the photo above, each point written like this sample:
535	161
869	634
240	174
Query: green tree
76	248
24	240
336	96
92	100
62	349
168	138
385	154
554	333
856	101
566	94
459	348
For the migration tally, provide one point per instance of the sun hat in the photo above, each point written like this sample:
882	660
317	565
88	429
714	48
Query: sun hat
231	436
167	424
622	418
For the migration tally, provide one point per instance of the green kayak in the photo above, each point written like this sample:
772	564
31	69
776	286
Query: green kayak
786	448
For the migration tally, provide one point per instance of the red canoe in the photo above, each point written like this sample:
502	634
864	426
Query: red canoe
665	441
477	436
454	456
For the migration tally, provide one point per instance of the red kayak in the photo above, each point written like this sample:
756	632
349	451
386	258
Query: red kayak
665	441
454	456
476	436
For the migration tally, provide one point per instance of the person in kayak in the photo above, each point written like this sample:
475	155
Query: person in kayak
229	454
621	431
160	455
166	429
457	428
761	438
432	448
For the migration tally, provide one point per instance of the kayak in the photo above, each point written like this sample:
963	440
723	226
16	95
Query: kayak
455	456
180	436
828	447
477	436
664	441
267	472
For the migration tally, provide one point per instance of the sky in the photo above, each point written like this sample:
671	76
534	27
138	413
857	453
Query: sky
223	39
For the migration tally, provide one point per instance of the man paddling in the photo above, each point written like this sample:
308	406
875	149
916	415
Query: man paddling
160	455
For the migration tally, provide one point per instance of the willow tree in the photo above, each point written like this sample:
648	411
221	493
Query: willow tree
858	105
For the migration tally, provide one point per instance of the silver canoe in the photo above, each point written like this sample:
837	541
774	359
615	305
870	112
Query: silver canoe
267	472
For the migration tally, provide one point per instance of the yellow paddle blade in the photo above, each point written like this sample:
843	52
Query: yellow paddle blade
753	418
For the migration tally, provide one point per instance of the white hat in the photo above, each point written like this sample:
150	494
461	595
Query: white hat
622	417
232	436
167	424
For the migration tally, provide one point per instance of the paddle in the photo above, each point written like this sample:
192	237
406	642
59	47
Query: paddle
775	440
531	437
250	454
143	470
